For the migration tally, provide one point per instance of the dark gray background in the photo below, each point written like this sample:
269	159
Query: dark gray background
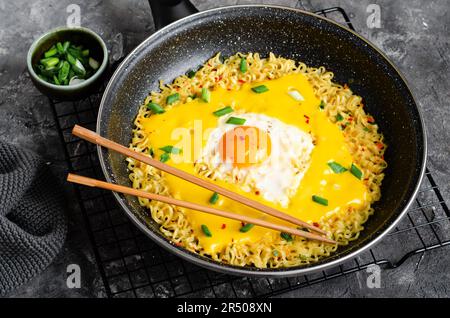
414	34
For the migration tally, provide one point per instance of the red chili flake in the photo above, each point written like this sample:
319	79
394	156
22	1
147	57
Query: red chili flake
241	81
223	226
350	118
316	224
242	223
380	145
200	86
307	119
257	192
178	244
209	65
382	157
370	119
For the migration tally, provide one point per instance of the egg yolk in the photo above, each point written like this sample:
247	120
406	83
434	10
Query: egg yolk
245	146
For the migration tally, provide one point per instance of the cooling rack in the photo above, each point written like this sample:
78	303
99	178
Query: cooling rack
131	265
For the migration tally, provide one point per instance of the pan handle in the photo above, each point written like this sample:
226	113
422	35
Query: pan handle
167	11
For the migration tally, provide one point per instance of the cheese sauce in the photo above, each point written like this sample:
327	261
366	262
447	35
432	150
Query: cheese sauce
341	190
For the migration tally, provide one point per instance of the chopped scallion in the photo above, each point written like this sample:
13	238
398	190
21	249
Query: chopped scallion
51	52
223	111
356	172
191	73
173	98
236	121
247	227
322	104
320	200
206	95
243	65
286	236
164	157
171	149
155	108
296	95
64	72
50	61
206	231
93	63
214	198
55	79
337	168
339	117
260	89
60	48
66	46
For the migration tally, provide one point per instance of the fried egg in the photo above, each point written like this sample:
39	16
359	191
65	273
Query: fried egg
264	156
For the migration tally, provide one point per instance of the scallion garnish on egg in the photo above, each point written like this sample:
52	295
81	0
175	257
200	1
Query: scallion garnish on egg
336	167
214	198
260	89
320	200
339	117
296	95
223	111
236	121
171	149
356	172
247	227
164	157
206	230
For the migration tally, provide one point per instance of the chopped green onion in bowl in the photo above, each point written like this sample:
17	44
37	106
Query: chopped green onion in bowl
66	64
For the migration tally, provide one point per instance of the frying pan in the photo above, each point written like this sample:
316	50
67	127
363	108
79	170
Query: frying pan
291	33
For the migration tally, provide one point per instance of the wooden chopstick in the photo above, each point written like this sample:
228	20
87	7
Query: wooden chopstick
152	196
95	138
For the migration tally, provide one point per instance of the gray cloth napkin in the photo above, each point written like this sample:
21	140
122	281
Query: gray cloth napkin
33	225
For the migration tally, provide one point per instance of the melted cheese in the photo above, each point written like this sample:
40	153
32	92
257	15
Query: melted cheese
341	190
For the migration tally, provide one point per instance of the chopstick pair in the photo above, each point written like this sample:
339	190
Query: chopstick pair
93	137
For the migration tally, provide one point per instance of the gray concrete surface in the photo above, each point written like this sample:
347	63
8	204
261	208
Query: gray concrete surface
414	34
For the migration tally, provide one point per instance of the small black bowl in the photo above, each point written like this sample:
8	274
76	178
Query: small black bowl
80	36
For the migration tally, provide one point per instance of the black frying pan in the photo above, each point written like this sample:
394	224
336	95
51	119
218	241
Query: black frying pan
291	33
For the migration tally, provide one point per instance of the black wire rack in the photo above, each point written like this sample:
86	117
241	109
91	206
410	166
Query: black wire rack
131	265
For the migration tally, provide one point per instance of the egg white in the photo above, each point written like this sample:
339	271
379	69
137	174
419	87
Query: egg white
277	178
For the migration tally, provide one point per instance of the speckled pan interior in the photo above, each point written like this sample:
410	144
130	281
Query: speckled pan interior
293	34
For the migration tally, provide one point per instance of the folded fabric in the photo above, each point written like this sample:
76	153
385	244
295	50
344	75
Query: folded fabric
33	225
